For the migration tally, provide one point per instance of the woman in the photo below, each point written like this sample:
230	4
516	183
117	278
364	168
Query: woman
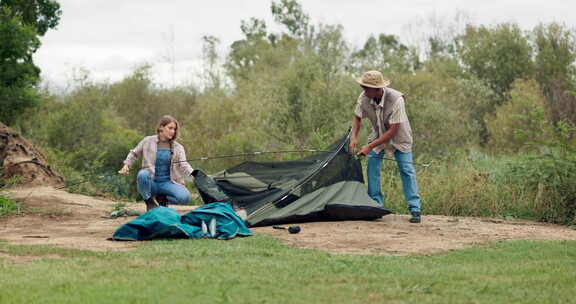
164	166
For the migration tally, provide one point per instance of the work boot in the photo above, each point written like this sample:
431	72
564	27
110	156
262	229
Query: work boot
162	200
415	217
150	203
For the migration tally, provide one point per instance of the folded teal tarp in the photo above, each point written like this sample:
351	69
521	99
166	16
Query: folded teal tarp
164	223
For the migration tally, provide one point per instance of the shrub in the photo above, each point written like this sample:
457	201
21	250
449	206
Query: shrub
441	111
552	177
521	121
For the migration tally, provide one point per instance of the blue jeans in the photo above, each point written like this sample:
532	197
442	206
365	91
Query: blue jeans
407	174
176	194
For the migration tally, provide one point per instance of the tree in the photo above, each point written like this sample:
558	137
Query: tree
555	58
21	22
498	56
18	74
41	15
386	53
290	14
248	52
211	76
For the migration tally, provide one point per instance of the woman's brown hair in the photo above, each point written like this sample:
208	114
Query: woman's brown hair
166	119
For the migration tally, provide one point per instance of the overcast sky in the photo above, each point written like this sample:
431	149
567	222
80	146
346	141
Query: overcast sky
110	37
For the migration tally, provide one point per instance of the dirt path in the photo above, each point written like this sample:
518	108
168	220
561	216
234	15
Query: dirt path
64	219
70	220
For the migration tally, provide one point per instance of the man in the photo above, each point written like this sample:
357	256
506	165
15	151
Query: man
391	134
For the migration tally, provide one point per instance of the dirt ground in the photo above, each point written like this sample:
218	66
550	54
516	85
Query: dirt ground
59	218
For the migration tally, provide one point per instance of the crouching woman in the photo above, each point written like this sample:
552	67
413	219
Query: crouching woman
164	166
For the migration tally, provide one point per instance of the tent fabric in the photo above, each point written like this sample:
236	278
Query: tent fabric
166	223
328	185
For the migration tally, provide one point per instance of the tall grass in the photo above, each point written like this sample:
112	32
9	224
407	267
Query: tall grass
462	187
481	185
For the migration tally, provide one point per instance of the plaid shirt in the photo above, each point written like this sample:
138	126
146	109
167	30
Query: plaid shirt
148	148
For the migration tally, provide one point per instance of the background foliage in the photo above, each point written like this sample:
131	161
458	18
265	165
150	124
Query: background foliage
492	107
21	22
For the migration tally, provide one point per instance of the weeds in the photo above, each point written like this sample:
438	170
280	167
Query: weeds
8	207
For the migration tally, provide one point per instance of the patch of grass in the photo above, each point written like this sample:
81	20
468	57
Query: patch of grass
10	181
261	270
195	200
8	207
119	206
48	212
38	251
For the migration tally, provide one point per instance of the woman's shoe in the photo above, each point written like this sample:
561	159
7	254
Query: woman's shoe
151	203
162	200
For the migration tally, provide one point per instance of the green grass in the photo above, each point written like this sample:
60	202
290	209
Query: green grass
463	188
261	270
8	207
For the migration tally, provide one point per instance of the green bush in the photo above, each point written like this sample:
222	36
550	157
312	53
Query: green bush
140	103
441	112
520	122
83	139
551	177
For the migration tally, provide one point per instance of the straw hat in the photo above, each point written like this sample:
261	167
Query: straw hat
373	79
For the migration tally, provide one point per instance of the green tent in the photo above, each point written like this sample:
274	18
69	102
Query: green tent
325	186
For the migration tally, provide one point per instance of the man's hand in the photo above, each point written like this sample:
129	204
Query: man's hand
124	170
365	150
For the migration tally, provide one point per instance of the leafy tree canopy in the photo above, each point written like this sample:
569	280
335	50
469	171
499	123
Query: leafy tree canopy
42	15
21	22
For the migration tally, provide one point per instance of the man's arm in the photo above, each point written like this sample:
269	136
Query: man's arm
391	132
356	124
397	117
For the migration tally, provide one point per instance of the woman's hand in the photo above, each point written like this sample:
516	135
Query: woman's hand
124	170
